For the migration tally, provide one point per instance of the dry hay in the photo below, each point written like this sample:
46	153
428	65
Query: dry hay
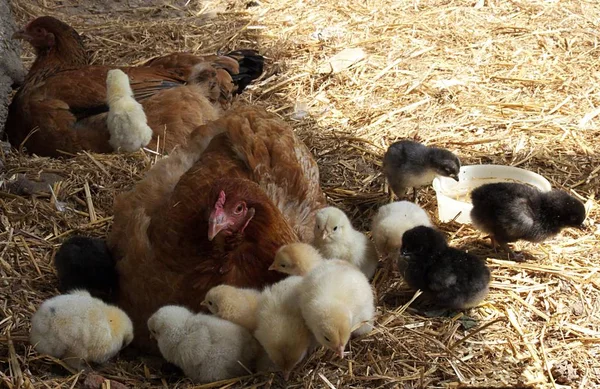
497	81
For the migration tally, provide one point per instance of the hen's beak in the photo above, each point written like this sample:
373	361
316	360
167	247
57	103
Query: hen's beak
21	34
341	351
286	375
454	177
216	224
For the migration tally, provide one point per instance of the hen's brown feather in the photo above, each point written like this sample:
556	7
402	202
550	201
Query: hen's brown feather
160	229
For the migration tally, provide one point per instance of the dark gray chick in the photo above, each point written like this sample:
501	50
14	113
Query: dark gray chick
512	211
86	263
409	164
449	277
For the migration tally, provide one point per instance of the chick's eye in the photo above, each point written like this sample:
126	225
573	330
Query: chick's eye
283	265
210	303
335	228
327	339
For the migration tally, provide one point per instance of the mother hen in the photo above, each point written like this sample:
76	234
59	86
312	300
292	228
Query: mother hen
62	106
213	212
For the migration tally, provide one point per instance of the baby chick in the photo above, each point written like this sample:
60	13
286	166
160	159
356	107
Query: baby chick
205	347
296	259
237	305
392	221
84	262
80	328
512	211
336	300
451	278
281	329
409	164
126	120
336	238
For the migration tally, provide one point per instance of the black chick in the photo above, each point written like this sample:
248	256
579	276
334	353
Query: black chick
408	164
449	277
86	263
512	211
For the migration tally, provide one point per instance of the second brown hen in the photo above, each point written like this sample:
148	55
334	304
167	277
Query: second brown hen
62	106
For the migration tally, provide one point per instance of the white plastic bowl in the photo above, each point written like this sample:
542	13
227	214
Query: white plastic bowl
454	198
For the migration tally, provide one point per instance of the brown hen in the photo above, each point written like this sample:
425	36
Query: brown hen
213	212
62	106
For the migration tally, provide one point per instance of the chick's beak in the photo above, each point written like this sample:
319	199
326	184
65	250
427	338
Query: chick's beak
204	303
341	351
454	177
217	222
325	235
272	267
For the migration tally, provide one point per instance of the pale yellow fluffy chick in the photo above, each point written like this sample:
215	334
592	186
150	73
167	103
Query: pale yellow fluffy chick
205	347
336	300
126	119
237	305
281	329
336	238
80	328
392	221
296	259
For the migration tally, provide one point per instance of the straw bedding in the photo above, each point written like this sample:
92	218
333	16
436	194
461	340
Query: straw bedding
496	81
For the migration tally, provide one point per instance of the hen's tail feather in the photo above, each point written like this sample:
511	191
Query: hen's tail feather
86	263
251	67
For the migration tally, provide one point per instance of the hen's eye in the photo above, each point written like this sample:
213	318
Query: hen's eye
327	339
239	208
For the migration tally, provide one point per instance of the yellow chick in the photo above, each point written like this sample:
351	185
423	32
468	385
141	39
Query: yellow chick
80	328
237	305
281	330
392	221
126	119
336	238
336	300
296	259
205	347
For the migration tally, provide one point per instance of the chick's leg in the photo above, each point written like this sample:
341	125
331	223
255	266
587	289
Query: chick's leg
517	257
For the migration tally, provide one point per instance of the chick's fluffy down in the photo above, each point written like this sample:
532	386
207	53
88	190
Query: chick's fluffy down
281	329
238	305
126	120
335	237
335	297
78	328
205	347
392	221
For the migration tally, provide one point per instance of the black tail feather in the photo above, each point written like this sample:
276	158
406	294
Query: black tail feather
251	67
86	263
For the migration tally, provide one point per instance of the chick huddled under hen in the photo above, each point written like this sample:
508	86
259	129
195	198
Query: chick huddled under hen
205	347
237	305
79	328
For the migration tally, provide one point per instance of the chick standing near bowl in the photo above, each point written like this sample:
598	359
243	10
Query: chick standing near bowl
409	164
336	238
451	278
513	211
